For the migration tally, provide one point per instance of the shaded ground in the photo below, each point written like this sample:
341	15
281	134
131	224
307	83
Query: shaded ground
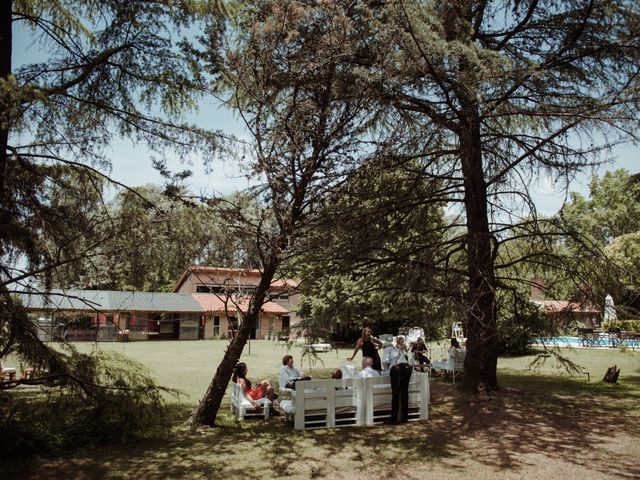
520	433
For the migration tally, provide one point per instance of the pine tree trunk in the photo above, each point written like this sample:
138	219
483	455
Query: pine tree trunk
481	359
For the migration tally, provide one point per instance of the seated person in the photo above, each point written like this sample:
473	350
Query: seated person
367	368
419	350
456	354
456	351
253	394
337	375
289	374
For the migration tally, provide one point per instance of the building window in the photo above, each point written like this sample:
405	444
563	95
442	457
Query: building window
279	296
211	289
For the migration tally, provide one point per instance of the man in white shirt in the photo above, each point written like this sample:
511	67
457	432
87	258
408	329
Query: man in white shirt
289	374
400	371
367	368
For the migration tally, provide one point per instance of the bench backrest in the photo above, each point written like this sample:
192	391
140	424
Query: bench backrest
328	403
354	401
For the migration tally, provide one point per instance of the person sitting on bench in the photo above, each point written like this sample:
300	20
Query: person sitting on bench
367	368
253	394
289	374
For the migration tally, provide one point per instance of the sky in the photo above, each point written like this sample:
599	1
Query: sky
549	197
131	164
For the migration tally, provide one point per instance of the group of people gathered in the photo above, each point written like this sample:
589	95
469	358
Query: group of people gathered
289	374
397	361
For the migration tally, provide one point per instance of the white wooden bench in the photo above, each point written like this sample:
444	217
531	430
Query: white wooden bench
241	407
353	401
377	408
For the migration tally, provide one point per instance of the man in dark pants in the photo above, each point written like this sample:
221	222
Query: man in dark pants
400	370
400	377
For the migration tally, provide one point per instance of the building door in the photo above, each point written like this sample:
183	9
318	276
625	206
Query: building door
216	327
201	328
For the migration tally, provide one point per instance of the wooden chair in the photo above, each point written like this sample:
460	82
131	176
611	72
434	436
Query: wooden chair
241	407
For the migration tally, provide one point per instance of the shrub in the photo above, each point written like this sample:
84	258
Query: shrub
623	325
519	322
113	401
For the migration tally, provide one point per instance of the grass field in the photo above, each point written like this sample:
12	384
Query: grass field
541	424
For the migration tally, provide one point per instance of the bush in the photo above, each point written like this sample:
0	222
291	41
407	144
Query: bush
519	322
514	337
622	325
127	406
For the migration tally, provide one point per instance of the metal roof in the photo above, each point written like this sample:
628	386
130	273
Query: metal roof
111	301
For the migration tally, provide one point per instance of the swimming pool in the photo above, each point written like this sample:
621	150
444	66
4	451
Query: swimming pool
559	341
605	341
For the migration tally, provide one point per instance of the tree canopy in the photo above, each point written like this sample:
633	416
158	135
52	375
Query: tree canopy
105	69
484	95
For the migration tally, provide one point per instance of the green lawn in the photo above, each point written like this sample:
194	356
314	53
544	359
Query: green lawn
542	424
189	366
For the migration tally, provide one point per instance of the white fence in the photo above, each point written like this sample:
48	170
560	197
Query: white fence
355	401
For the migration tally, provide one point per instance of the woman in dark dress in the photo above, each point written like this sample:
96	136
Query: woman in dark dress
419	350
369	345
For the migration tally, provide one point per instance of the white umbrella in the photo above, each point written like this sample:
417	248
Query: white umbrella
609	309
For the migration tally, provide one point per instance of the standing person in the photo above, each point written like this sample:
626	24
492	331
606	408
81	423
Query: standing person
400	344
369	345
400	372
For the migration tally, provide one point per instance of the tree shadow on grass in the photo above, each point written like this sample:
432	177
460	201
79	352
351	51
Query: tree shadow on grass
557	418
571	424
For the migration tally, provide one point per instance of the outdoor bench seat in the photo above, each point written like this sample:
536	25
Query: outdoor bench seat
345	402
241	407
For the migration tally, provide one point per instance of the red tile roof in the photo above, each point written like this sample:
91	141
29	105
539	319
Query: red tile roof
566	306
213	303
